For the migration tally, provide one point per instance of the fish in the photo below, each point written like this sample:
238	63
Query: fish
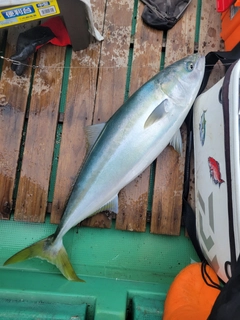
121	149
215	172
202	127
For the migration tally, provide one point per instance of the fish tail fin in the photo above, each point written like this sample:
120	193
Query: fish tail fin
47	249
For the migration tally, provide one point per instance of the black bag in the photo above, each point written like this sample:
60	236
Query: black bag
163	14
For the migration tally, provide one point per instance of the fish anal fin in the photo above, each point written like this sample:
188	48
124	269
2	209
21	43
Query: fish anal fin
176	142
112	206
158	113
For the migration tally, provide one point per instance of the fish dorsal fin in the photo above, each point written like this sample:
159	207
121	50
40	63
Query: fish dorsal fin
159	112
111	205
93	132
176	142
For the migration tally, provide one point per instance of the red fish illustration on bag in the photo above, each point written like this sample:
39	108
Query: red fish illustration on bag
215	172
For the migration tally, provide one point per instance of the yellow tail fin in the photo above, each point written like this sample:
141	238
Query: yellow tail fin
46	249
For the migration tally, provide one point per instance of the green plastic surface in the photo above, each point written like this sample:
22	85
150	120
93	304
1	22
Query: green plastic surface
10	309
119	268
145	308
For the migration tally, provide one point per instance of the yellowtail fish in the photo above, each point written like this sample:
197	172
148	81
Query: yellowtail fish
121	149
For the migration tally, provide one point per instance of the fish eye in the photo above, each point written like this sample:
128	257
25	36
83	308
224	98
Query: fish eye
190	66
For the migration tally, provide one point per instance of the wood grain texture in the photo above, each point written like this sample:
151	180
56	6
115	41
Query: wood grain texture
167	199
112	72
13	100
180	39
79	110
78	114
146	63
38	150
114	59
209	39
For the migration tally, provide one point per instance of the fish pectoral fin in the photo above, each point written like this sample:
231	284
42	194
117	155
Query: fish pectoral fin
176	142
111	205
46	250
93	132
158	113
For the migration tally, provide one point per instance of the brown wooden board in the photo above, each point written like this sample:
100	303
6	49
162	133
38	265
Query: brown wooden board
210	27
167	197
210	40
33	185
114	59
13	97
146	63
78	114
112	71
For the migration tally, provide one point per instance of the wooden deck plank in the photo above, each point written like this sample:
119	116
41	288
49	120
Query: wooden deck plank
112	71
13	93
167	197
114	59
78	114
33	185
146	63
209	39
